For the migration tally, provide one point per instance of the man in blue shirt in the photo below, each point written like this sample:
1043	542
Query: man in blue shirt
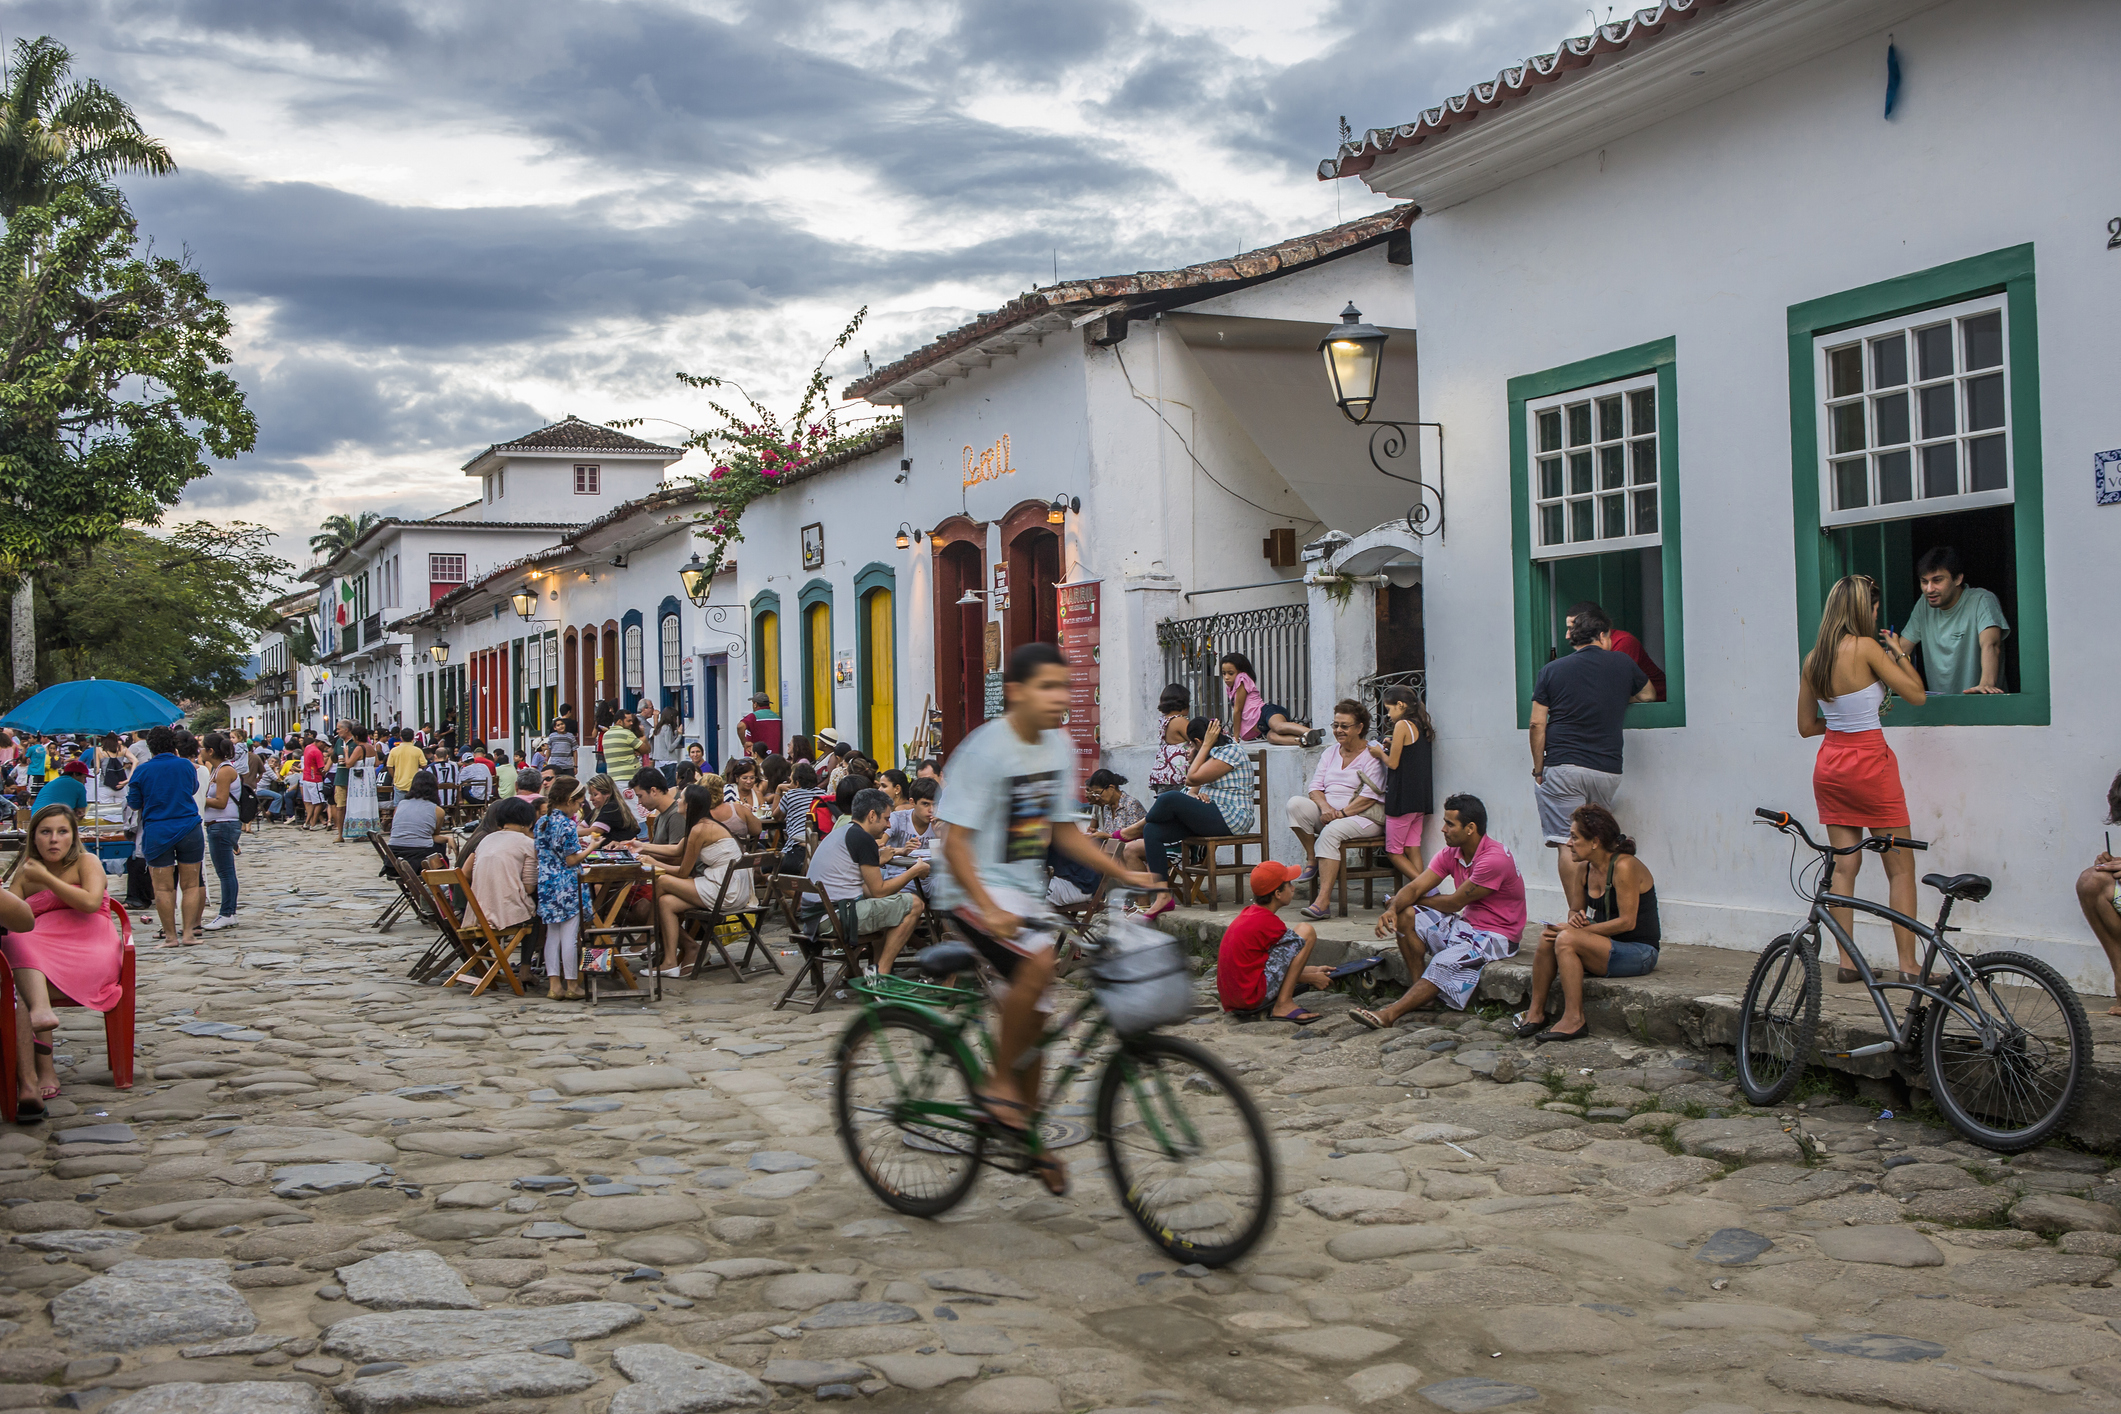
68	788
163	792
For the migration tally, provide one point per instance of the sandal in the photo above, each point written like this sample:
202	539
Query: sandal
29	1112
1051	1173
1300	1017
1364	1016
986	1103
1314	913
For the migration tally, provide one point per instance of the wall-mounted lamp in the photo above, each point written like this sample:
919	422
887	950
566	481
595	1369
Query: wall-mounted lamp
697	579
1057	513
618	560
525	601
971	596
905	469
439	650
907	535
1354	354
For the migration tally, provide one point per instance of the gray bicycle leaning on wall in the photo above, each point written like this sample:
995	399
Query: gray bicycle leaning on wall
2001	1038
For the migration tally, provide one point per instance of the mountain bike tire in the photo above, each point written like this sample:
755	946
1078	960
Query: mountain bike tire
1159	1187
1954	1064
1779	1020
886	1058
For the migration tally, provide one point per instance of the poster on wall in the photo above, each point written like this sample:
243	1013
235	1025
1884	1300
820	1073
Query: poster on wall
1080	645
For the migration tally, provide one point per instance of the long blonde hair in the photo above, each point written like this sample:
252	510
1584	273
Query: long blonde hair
29	845
604	785
1851	612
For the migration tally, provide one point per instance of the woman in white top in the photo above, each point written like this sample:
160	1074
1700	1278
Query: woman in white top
1344	804
695	870
221	809
1856	780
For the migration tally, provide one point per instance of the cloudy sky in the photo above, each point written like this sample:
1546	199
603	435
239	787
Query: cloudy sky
441	223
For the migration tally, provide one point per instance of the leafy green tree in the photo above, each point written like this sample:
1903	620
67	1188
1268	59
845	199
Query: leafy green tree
112	393
178	612
57	136
339	531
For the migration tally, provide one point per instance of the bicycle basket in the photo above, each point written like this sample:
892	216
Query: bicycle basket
1142	977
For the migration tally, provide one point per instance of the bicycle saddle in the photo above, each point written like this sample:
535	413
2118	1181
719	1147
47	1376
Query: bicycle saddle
945	959
1970	887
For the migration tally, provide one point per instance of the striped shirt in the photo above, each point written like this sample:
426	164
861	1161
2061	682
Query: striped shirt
795	807
1233	793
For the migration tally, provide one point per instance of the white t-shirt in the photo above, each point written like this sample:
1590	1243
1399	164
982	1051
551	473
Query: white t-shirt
1010	793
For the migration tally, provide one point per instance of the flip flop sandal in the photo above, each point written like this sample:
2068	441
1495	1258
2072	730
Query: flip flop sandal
29	1112
1365	1017
1315	914
985	1104
1048	1169
1300	1017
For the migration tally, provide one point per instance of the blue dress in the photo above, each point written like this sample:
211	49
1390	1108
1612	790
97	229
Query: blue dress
559	883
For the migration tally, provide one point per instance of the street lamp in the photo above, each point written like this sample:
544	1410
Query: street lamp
526	603
697	579
1354	357
439	650
1057	513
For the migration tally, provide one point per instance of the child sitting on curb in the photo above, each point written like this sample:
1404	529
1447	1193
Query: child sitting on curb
1263	961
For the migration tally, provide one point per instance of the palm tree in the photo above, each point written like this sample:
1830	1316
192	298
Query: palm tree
340	531
56	135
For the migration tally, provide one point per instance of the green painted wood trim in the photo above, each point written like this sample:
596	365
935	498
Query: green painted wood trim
765	601
1659	356
817	591
875	575
2010	272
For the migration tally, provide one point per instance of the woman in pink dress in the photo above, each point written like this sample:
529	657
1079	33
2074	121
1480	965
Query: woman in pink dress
74	948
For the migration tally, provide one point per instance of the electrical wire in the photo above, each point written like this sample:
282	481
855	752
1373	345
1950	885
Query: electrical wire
1151	404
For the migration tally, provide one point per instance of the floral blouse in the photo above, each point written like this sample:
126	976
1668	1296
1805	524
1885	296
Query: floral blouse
559	884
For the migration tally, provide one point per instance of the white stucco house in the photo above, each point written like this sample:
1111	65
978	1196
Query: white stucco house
1715	309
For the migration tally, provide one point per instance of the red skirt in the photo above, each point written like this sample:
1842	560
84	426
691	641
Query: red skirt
1856	781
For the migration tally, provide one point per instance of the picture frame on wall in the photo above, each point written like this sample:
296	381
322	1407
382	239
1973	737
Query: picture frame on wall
814	546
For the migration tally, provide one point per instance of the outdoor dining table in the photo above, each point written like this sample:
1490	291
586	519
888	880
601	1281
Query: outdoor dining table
610	883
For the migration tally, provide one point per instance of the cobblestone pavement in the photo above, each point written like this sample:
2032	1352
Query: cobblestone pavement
334	1189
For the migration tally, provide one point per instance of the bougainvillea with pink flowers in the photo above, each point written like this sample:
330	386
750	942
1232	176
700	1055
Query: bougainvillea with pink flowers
755	449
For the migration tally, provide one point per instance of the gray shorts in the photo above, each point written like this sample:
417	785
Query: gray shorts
1567	787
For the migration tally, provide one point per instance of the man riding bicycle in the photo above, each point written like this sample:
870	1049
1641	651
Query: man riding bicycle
1011	794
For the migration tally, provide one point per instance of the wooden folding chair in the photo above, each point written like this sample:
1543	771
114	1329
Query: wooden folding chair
395	909
484	946
704	924
830	943
1363	862
118	1022
447	950
1204	876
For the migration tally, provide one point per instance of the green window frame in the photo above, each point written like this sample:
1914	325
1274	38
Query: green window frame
1534	608
2010	273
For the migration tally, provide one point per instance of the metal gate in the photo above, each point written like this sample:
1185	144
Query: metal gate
1277	640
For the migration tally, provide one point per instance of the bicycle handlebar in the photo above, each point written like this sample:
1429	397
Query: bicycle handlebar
1783	820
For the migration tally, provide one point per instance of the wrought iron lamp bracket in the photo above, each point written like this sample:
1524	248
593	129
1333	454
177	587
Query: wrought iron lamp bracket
1390	441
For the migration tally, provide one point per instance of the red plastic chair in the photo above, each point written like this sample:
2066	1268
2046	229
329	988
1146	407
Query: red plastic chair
117	1022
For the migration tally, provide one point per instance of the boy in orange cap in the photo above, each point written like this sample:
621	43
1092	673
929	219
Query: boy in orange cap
1263	961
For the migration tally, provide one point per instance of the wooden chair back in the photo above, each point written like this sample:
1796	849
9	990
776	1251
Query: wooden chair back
832	944
486	947
1202	880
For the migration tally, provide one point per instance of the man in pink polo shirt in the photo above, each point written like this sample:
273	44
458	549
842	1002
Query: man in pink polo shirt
1446	938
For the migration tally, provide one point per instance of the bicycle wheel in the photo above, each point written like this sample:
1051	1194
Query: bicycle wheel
2019	1090
1189	1152
902	1102
1779	1020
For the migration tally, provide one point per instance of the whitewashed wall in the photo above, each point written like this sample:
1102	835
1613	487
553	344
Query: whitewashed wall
1706	228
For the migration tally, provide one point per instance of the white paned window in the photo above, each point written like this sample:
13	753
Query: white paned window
534	670
445	569
1594	470
633	658
1915	415
552	660
588	479
673	663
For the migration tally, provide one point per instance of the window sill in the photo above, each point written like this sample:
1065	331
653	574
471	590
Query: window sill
1651	715
2011	709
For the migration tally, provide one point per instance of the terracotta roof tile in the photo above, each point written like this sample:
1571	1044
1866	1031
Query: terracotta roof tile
1516	85
572	434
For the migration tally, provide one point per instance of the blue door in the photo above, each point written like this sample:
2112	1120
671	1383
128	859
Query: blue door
711	714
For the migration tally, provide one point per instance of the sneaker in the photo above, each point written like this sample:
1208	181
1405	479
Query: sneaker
220	921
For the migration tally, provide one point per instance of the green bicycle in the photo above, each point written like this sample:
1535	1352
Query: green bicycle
1186	1147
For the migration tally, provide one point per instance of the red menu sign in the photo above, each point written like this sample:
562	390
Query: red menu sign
1079	643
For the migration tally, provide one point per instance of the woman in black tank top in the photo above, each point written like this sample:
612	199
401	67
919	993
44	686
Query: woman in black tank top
1615	935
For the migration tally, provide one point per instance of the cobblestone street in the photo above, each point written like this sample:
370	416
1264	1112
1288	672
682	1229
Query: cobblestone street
331	1188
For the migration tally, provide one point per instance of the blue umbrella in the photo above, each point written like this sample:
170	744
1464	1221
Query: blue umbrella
93	706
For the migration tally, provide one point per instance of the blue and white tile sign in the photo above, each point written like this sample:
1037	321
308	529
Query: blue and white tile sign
2106	477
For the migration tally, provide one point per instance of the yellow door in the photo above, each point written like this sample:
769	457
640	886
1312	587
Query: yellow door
882	670
817	627
769	658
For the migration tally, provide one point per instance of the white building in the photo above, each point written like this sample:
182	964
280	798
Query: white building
284	683
1705	278
531	491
